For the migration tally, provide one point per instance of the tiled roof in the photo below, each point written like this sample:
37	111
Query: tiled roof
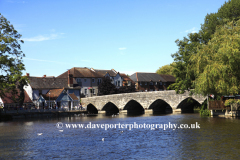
126	78
112	72
147	77
73	96
168	78
8	98
50	83
78	72
54	94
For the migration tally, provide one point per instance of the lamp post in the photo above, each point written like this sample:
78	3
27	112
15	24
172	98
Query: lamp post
49	101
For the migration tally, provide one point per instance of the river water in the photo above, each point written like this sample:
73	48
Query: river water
217	138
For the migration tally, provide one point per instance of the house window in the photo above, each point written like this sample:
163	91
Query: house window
164	84
99	81
140	83
151	83
145	83
93	91
156	83
85	91
93	80
78	80
160	83
85	80
118	83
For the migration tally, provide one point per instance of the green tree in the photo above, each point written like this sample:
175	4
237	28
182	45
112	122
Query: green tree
190	45
166	69
10	56
106	87
217	63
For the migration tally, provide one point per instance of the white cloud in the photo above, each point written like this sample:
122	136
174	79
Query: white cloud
85	60
193	30
41	38
42	60
123	48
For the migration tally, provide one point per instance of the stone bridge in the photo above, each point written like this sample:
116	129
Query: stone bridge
156	100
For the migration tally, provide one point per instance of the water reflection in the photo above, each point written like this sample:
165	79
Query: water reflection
216	139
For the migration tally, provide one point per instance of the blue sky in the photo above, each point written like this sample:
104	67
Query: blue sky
126	35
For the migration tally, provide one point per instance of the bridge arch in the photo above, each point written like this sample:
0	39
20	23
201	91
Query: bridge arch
92	109
110	108
134	107
160	106
187	105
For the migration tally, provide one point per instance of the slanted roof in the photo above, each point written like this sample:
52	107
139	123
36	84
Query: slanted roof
168	78
8	97
111	72
78	72
50	83
73	96
147	77
54	94
126	78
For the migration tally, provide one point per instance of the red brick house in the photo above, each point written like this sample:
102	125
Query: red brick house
151	81
8	102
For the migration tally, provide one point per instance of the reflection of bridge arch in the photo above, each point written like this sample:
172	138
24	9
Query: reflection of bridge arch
187	105
160	106
145	99
133	107
110	108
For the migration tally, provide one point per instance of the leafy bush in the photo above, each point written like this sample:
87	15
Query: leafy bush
204	111
231	101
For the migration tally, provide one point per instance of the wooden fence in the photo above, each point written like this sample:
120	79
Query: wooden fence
217	105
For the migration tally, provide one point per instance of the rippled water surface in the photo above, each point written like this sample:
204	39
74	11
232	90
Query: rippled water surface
217	138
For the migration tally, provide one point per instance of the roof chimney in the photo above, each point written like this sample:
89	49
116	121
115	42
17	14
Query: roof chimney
27	74
44	76
70	79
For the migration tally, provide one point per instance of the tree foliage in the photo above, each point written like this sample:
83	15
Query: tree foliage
195	43
126	89
217	63
106	87
166	69
10	56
